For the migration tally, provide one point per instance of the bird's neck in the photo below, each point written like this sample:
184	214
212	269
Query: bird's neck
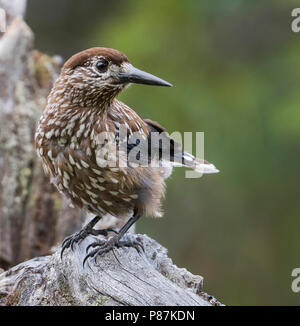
76	95
99	101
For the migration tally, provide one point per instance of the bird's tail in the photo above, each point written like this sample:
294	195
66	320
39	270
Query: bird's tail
172	153
196	164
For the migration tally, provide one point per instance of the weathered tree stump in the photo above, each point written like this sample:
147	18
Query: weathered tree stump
122	277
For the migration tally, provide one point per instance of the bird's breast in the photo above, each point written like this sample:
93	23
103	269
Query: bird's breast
91	172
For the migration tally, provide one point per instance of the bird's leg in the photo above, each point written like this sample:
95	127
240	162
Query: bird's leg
115	241
82	234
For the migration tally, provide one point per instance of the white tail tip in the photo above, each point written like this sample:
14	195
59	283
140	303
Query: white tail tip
206	168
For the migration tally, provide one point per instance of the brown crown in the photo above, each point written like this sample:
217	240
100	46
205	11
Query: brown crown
80	58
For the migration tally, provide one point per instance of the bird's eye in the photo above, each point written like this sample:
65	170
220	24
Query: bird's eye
102	65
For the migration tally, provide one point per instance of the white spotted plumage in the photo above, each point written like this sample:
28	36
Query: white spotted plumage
80	107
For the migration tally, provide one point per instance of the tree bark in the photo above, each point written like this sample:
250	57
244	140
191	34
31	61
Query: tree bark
123	277
33	216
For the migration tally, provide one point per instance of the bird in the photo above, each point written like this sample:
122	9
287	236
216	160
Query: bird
85	139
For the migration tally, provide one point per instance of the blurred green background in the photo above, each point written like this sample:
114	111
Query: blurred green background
236	69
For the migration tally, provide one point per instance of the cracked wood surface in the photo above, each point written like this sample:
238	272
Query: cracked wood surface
122	277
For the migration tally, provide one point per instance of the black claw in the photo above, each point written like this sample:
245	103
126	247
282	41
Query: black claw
90	255
71	240
62	251
103	247
66	244
97	243
133	243
78	237
139	246
112	230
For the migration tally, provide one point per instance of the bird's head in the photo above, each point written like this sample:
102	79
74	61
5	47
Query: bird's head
97	75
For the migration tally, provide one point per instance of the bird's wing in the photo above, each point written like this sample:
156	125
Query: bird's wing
171	151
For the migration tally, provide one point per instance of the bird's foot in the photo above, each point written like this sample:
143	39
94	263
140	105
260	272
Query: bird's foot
103	246
78	237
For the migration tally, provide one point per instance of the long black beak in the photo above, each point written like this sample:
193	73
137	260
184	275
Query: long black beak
137	76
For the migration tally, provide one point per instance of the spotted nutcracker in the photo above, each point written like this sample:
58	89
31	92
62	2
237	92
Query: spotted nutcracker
81	108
